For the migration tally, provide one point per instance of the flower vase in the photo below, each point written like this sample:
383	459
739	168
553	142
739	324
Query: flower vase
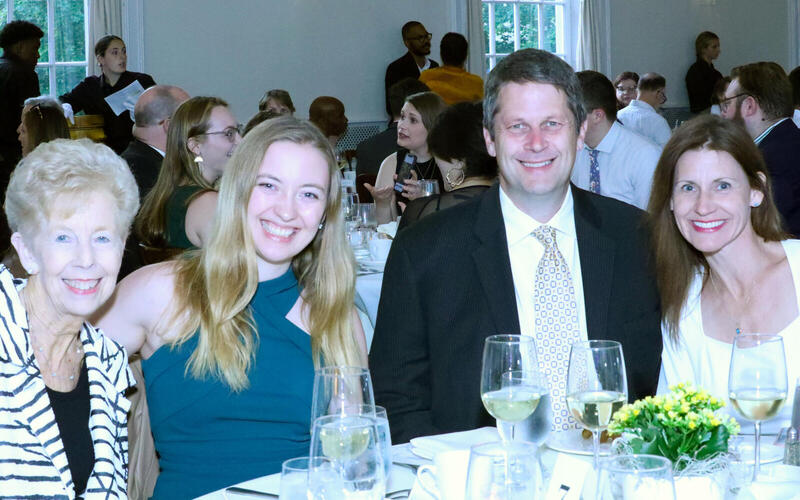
709	486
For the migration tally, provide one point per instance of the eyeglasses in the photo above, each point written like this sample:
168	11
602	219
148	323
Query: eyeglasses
422	38
724	103
662	97
625	90
229	133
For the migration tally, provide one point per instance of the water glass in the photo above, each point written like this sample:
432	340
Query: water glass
350	207
502	471
341	390
428	187
378	413
294	476
352	446
366	216
632	477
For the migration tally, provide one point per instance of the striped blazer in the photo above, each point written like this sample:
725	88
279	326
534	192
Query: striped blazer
33	463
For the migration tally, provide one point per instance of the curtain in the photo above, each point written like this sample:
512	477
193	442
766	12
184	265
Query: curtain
105	18
589	36
477	59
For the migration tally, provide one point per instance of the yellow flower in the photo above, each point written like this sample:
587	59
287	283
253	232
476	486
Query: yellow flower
692	425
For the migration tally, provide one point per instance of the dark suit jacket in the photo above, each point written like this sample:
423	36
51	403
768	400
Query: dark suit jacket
781	150
145	163
448	285
372	151
404	67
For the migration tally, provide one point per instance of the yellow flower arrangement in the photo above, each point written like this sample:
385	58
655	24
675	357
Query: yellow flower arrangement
680	425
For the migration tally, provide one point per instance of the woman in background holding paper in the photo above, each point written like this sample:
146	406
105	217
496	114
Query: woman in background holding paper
724	264
111	94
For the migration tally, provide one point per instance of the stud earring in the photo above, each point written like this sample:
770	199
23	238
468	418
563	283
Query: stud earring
321	225
755	204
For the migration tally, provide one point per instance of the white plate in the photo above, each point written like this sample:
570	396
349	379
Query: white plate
770	453
572	442
426	454
372	265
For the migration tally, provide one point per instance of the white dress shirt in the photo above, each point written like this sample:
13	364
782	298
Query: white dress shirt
525	251
643	118
796	117
626	161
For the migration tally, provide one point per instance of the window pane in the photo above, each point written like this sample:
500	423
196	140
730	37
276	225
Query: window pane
485	9
550	27
504	28
3	14
67	77
528	26
34	11
70	37
44	79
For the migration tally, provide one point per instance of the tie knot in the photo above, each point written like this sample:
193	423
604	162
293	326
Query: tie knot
593	153
546	235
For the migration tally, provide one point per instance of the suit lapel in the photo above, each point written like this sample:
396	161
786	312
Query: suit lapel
493	265
596	251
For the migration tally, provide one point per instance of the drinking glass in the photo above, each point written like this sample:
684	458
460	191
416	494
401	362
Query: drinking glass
350	208
428	187
757	381
502	471
596	385
366	216
632	477
341	390
352	446
511	384
294	476
378	413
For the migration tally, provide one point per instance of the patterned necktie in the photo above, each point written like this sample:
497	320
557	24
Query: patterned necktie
556	320
594	172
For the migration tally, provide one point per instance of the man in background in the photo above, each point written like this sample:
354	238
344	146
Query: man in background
615	161
759	98
451	81
418	41
642	116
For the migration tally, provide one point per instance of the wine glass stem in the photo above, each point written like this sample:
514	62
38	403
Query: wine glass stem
596	447
757	448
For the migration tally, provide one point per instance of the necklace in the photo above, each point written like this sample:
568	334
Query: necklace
425	168
745	306
70	361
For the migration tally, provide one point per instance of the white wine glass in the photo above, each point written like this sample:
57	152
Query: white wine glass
757	381
596	386
341	390
633	477
511	384
356	471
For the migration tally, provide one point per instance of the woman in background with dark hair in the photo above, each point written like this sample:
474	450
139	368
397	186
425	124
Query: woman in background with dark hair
278	101
702	75
724	264
456	142
89	95
625	87
42	120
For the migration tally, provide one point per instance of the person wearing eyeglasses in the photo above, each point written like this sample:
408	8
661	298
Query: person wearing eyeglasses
759	98
642	116
179	211
625	88
418	41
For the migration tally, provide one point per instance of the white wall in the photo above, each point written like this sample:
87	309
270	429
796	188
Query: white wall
651	35
238	49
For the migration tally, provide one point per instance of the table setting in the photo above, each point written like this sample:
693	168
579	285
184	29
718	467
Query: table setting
671	446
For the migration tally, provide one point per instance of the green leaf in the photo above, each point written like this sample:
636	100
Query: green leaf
717	443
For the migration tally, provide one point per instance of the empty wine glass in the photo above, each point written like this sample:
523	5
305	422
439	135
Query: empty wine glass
596	385
757	381
351	444
341	390
502	471
632	477
511	384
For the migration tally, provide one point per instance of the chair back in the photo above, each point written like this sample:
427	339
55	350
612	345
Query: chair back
364	196
88	126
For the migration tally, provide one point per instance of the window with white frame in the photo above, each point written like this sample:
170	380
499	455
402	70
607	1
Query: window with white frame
510	25
64	54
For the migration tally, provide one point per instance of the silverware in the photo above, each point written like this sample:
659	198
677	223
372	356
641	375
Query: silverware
252	493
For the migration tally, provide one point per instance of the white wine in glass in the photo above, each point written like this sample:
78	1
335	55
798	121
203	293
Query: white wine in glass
757	381
511	384
596	386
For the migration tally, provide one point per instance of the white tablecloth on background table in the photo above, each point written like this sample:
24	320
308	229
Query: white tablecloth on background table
368	287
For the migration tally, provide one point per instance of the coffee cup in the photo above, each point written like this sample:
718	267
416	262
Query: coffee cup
446	479
379	248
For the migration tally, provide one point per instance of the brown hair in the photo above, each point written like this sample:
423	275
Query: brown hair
703	40
102	45
651	82
178	168
768	84
429	105
44	121
676	260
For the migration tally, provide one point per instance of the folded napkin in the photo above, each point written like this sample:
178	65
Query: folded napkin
389	229
428	446
775	482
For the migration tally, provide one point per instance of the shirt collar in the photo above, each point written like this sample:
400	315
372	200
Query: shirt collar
636	103
769	129
608	142
520	225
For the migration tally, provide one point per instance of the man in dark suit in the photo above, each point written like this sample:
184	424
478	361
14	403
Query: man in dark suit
759	98
480	268
372	151
418	41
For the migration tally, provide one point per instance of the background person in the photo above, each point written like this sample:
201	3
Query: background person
418	41
327	113
42	120
278	101
70	205
722	257
702	75
642	114
451	81
230	335
89	95
625	87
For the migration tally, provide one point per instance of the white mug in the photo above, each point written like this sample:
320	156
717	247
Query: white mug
446	479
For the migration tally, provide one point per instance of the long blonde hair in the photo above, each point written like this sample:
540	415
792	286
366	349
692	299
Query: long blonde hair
213	287
191	119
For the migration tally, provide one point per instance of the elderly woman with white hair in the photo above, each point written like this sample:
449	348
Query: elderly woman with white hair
62	409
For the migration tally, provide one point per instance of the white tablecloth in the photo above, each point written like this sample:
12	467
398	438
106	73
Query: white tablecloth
368	287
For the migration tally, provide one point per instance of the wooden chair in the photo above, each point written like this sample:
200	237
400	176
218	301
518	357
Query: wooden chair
88	126
364	196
